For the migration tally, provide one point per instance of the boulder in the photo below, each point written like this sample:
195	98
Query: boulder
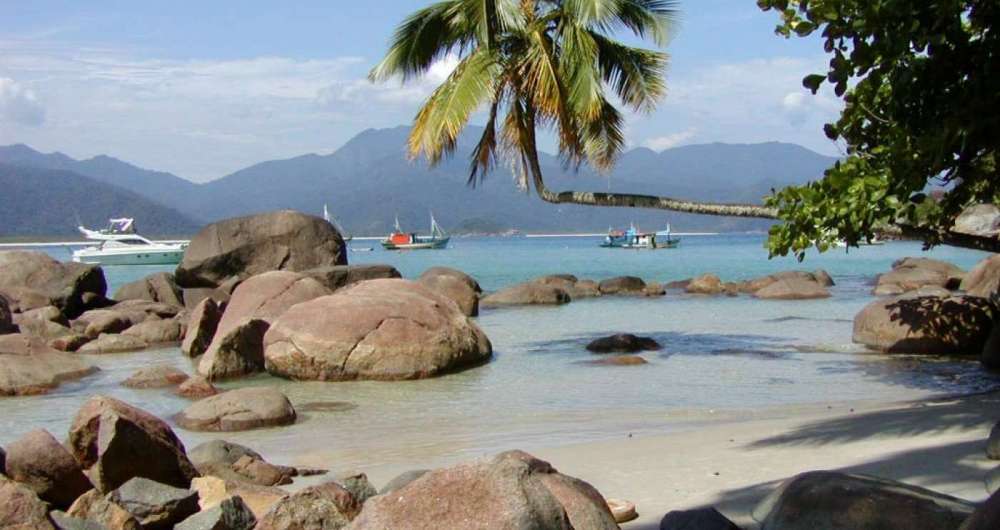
49	313
984	279
21	509
235	462
202	324
622	285
96	508
212	491
158	287
979	220
98	321
238	410
245	246
156	331
453	273
339	276
358	485
237	347
196	387
323	507
528	293
826	500
993	443
220	451
619	360
705	284
700	519
585	289
230	514
935	325
69	343
510	490
156	377
155	505
654	289
45	329
986	516
792	289
909	274
28	366
623	343
678	284
108	343
454	289
40	462
33	279
118	442
378	329
402	480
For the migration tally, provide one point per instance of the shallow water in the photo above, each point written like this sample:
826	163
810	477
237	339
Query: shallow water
720	354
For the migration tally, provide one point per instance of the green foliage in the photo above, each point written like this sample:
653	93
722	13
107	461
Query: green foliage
920	82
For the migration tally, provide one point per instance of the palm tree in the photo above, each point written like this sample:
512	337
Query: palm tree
547	63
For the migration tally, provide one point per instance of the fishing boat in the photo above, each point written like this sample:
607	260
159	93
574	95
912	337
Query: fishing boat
121	245
635	239
399	240
333	221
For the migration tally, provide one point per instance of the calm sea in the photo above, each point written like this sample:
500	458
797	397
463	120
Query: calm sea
720	355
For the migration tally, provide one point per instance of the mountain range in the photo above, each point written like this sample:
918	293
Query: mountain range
369	180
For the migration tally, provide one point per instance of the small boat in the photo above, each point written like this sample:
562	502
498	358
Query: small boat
635	239
399	240
361	249
333	220
120	245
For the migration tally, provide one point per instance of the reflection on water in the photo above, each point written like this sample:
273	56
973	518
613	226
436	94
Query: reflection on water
719	353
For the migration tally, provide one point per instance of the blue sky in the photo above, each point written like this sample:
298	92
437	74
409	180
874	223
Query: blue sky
202	89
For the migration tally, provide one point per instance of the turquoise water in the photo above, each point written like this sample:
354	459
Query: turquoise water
720	354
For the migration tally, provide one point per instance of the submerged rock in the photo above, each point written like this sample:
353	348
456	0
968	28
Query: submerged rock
510	490
936	325
528	293
156	377
821	500
705	284
245	246
622	285
623	343
379	329
238	410
619	360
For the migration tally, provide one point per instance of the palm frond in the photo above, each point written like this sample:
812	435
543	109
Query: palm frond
650	19
484	155
635	74
422	38
603	138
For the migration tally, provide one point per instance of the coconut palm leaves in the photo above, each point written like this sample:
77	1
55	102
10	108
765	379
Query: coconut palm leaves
552	64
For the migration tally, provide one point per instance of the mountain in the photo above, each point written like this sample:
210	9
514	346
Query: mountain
165	188
369	180
46	202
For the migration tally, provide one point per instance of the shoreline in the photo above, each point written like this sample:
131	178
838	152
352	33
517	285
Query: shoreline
733	461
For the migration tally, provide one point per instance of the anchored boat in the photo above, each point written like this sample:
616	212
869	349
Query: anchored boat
399	240
120	245
633	238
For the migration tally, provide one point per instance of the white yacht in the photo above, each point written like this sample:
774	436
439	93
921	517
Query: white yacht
120	245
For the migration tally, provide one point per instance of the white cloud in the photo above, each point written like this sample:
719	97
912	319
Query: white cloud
659	143
19	104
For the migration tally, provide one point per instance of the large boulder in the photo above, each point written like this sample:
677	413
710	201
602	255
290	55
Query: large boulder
196	387
202	325
33	279
118	442
161	376
826	500
793	289
323	507
230	514
235	462
925	324
528	293
979	220
455	289
452	273
335	277
97	509
40	462
238	410
910	274
705	284
237	348
401	480
246	246
157	287
984	279
510	490
629	285
379	329
28	366
21	509
157	331
113	343
155	505
622	343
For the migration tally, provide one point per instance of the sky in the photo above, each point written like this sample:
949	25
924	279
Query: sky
202	89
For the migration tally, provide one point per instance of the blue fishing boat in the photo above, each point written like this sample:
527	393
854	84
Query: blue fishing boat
635	239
